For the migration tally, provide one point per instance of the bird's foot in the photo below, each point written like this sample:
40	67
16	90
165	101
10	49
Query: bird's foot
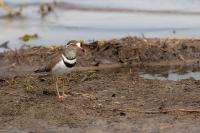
63	95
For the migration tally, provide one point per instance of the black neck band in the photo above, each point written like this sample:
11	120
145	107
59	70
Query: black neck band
68	64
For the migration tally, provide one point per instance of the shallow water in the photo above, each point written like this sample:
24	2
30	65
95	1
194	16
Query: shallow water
189	5
64	25
174	73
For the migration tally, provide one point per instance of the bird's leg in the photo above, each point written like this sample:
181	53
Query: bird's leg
63	86
68	79
56	80
63	83
58	93
63	95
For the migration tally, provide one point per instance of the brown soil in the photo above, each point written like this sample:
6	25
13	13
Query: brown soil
103	97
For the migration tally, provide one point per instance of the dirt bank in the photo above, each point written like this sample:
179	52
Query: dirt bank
129	50
102	100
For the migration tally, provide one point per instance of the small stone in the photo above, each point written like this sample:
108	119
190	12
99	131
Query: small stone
113	95
122	114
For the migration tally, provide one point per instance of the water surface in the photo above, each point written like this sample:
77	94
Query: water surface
174	73
63	25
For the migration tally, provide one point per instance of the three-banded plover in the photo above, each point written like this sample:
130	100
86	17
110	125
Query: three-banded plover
63	63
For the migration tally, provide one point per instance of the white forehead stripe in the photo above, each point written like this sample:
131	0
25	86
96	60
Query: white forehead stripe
78	44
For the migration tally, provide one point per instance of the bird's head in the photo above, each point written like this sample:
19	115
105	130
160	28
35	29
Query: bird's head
74	45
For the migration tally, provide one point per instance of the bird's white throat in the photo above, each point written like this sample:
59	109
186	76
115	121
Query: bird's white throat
61	68
68	61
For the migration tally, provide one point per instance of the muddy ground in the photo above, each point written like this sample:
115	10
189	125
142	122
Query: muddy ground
105	92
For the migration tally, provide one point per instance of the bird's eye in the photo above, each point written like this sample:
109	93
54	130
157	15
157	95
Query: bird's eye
69	44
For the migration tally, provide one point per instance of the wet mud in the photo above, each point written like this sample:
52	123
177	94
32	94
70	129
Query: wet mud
102	96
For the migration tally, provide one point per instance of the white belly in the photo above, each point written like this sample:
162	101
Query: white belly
60	68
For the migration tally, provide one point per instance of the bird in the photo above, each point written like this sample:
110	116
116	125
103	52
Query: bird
5	45
11	12
63	63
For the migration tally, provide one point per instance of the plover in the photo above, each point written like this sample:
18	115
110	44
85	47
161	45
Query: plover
63	63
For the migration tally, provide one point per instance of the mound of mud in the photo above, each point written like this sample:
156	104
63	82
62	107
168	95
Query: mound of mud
129	50
134	50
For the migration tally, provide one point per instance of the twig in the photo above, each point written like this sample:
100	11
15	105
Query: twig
156	111
183	110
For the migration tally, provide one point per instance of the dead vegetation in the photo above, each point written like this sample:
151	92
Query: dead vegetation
128	51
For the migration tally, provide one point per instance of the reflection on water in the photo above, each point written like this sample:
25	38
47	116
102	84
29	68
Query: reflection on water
174	73
63	25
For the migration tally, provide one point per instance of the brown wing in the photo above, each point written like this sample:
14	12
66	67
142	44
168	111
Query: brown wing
50	64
